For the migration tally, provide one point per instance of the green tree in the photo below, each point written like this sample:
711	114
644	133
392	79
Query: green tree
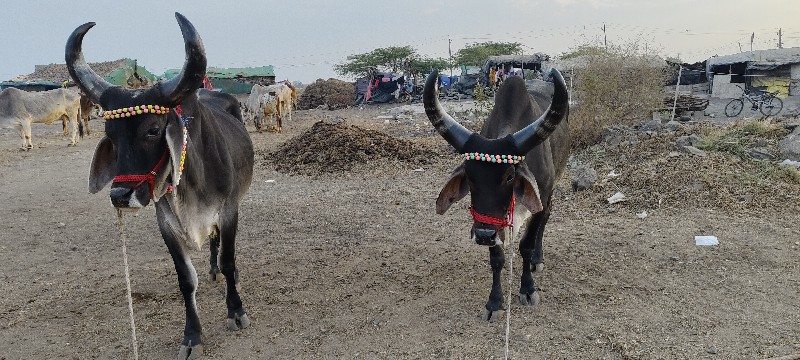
425	65
476	54
392	58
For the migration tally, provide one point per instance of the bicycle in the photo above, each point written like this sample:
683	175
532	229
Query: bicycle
767	102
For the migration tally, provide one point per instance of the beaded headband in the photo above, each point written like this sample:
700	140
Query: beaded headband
135	110
501	159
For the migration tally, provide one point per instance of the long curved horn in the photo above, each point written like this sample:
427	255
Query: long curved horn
528	137
90	83
194	67
455	134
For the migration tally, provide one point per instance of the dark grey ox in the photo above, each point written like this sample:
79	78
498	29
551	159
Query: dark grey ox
516	126
204	201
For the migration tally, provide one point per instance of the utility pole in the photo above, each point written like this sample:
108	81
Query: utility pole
450	53
780	42
752	37
605	37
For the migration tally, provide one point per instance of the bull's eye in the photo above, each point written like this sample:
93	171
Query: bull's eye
510	178
153	131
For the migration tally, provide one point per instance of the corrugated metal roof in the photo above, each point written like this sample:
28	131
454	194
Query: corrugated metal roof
230	73
771	57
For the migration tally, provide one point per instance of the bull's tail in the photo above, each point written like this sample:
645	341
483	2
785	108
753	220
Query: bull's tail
80	128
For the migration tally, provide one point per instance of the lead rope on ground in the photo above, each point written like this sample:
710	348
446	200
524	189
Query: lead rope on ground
509	238
121	227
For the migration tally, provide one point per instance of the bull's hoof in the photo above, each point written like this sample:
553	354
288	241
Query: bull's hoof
214	275
538	267
491	316
190	352
529	299
238	322
72	144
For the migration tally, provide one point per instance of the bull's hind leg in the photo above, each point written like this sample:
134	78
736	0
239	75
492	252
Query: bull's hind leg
497	260
192	343
214	273
530	247
237	316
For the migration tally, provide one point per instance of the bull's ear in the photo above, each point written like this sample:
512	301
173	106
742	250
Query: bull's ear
104	165
174	137
455	190
527	190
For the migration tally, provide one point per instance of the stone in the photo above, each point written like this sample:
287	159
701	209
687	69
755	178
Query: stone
583	177
695	186
790	145
672	125
687	140
761	154
693	150
613	136
652	125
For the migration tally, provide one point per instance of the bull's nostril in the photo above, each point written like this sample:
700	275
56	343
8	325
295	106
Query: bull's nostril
485	233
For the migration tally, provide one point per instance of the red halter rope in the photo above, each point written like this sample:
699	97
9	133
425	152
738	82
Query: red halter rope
149	178
491	220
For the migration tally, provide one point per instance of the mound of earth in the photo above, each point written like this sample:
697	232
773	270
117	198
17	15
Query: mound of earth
332	148
653	173
331	93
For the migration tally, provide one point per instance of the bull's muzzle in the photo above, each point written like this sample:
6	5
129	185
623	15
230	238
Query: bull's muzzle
485	236
124	198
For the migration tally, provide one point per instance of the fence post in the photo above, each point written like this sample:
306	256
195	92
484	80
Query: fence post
677	86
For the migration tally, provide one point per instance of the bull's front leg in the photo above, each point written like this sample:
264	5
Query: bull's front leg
237	316
497	260
192	343
530	247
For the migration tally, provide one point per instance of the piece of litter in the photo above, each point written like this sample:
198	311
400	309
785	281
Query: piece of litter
619	196
419	170
612	174
642	214
270	181
706	240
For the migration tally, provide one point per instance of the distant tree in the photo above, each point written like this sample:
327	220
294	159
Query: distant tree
476	54
586	50
392	58
425	65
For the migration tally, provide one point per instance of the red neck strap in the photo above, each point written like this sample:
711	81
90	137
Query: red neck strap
149	178
501	223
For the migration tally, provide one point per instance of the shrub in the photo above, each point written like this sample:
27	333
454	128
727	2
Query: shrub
620	85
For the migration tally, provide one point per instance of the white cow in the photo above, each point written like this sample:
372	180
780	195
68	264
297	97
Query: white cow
252	107
266	103
19	109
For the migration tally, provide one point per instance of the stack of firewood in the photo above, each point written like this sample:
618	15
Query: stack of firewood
686	102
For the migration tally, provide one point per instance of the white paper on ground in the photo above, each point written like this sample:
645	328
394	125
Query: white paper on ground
706	240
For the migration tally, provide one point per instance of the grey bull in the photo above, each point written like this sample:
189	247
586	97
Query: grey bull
517	157
196	164
19	109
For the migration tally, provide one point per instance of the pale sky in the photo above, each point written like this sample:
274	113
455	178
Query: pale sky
303	39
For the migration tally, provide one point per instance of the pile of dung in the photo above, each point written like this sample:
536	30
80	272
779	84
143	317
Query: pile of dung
335	148
654	174
332	94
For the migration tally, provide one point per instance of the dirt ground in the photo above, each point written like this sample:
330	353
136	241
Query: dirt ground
356	265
